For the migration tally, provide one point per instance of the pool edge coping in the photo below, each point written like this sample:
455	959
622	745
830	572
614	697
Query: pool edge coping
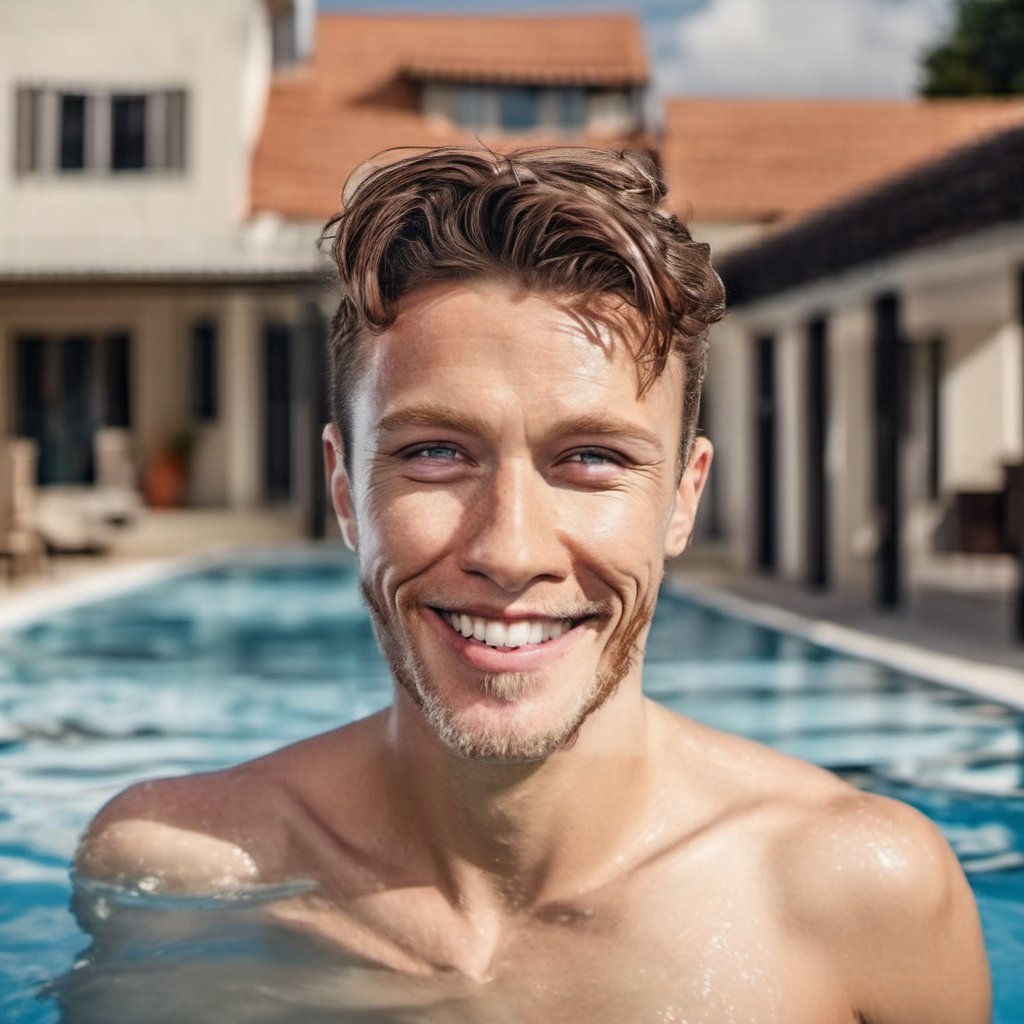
109	581
981	679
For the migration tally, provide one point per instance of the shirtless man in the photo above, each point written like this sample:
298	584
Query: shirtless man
523	836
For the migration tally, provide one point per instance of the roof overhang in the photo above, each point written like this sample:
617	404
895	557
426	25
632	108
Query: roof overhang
971	189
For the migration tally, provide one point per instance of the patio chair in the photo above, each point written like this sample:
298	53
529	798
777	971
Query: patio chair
20	540
86	517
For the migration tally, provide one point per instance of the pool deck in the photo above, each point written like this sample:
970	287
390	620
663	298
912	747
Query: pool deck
167	543
899	639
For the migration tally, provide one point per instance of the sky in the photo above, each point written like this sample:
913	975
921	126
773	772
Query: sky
754	47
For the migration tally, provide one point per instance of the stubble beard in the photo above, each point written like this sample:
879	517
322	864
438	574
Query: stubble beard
503	747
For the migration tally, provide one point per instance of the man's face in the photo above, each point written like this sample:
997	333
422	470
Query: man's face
512	500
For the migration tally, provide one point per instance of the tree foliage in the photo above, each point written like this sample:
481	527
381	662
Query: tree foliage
983	53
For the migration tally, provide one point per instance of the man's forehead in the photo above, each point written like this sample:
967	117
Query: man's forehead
439	324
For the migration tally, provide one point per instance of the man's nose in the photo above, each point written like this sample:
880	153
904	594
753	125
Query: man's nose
513	536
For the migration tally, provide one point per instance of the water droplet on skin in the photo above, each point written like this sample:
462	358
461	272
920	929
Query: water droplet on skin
148	884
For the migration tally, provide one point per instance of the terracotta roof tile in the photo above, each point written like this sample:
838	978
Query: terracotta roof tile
765	160
357	97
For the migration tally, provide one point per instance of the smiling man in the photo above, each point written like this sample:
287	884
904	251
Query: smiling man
522	835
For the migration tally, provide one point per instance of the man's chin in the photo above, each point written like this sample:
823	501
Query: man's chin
512	750
511	732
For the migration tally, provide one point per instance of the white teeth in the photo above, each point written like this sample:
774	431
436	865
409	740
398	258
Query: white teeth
517	634
495	633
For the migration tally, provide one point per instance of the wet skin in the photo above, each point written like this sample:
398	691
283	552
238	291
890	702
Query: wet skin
522	835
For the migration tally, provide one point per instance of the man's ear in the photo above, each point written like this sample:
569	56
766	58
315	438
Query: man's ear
339	486
687	498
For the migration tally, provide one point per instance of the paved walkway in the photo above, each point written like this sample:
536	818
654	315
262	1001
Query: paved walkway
900	627
157	537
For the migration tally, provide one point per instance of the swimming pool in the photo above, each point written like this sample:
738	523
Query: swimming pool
227	662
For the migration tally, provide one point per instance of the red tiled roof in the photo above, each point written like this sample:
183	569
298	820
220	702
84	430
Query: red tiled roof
358	98
764	160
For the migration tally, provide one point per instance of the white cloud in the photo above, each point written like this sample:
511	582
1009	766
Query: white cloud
796	47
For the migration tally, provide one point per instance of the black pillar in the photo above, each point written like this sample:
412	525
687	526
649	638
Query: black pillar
1016	498
312	414
278	387
765	461
888	366
817	508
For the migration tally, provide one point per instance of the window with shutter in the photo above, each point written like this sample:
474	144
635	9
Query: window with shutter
67	131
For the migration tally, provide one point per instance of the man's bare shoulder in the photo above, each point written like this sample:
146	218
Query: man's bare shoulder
211	831
179	834
877	885
865	881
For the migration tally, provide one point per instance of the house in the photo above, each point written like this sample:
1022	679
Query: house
742	169
135	290
870	405
165	170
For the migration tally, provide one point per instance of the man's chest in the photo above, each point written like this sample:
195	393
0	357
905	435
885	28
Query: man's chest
635	957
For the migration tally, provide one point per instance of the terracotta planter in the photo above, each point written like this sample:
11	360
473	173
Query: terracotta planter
165	481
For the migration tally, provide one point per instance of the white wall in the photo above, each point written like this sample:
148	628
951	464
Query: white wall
217	51
975	409
964	291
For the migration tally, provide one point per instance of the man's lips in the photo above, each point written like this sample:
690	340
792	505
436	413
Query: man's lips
497	652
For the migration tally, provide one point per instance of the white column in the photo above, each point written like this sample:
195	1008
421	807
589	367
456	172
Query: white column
1013	391
241	393
159	375
850	453
728	390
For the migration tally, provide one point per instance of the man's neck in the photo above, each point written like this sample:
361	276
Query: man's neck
517	835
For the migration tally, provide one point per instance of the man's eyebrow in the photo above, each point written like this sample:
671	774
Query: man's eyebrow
433	414
606	425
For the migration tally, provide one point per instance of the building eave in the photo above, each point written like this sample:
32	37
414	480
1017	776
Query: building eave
970	189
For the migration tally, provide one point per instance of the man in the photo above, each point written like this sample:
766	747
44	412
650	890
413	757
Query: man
522	836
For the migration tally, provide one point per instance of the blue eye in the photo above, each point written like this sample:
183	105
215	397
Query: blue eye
592	457
434	451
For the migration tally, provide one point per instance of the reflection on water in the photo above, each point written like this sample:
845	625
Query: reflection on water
158	959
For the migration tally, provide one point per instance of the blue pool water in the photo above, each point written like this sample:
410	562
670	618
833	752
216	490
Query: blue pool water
223	664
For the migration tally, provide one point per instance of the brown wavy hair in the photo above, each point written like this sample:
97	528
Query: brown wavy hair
579	224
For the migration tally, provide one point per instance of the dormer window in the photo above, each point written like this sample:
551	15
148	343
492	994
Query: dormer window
518	109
